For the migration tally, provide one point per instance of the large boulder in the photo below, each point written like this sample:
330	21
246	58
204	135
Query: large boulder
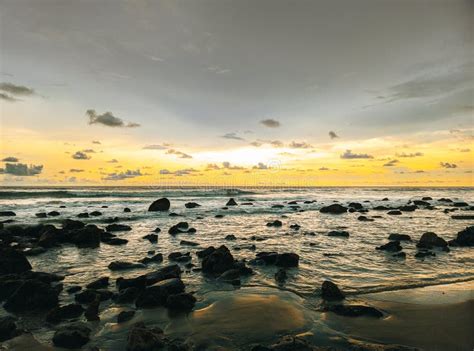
430	240
391	246
331	292
157	294
464	238
333	209
354	311
287	259
8	328
181	302
89	236
140	282
124	265
162	204
340	233
141	338
219	261
13	261
72	336
399	237
32	295
59	314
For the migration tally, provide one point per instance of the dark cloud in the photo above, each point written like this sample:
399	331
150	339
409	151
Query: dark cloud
178	153
227	165
232	136
416	154
260	142
333	135
96	142
448	165
391	163
270	123
10	159
17	90
20	169
7	97
79	155
155	147
75	170
260	165
128	174
108	119
300	145
256	143
179	172
349	155
212	167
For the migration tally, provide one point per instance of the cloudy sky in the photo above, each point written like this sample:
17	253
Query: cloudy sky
231	92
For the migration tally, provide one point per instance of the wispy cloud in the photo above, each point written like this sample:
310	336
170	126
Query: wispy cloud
76	170
448	165
415	154
300	145
10	159
270	123
391	163
349	155
232	136
179	172
128	174
155	147
178	153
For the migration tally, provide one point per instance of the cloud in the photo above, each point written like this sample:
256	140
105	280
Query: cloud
88	151
17	90
20	169
128	174
260	142
260	165
75	170
391	163
256	143
112	161
108	119
232	136
448	165
96	142
465	150
155	147
300	145
416	154
212	167
179	172
348	155
324	169
7	97
79	155
333	135
270	123
10	159
178	153
227	165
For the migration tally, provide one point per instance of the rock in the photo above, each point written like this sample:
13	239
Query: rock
95	213
287	260
160	205
157	230
340	233
125	316
158	258
191	205
364	219
116	241
354	311
13	261
281	276
183	302
460	204
126	209
72	336
153	238
331	292
218	261
333	209
391	246
127	295
54	214
230	237
231	202
87	296
399	237
83	215
140	338
427	198
423	254
278	206
394	213
32	295
41	215
34	251
167	272
157	294
464	238
123	265
99	283
181	227
118	228
400	254
73	289
381	208
408	208
7	214
445	200
89	236
8	328
430	240
92	311
70	224
179	256
59	314
231	276
275	223
356	205
463	217
219	216
188	243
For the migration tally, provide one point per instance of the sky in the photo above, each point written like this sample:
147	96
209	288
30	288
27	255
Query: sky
244	93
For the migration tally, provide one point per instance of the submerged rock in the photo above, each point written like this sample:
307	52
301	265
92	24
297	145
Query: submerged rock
399	237
275	223
153	238
8	328
354	311
231	202
331	292
288	259
394	213
32	295
183	302
430	240
162	204
72	336
100	283
13	261
125	316
141	338
7	214
392	246
118	228
333	209
191	205
340	233
58	314
281	276
157	294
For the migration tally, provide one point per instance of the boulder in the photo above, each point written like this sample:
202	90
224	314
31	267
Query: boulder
408	208
158	258
289	259
365	219
157	294
464	238
179	256
356	205
219	261
460	204
340	233
92	311
230	237
331	292
58	314
7	214
153	238
72	336
394	213
354	311
118	228
123	265
95	213
54	214
160	205
13	261
430	240
32	295
70	224
275	223
399	237
89	236
191	205
231	202
125	316
391	246
8	328
141	338
126	209
183	302
100	283
333	209
116	241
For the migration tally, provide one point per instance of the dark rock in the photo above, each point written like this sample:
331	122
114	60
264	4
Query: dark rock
230	237
275	223
7	214
464	238
445	200
179	256
59	314
181	227
394	213
167	272
463	217
125	316
32	295
118	228
460	204
399	237
8	328
72	336
126	209
281	276
205	252
140	338
157	230
83	215
12	261
92	311
219	261
188	243
278	206
191	205
354	311
267	257
157	294
408	208
73	289
183	302
423	254
123	265
34	251
289	259
54	214
427	198
356	205
231	202
381	208
89	236
334	209
70	224
400	254
219	216
116	241
430	240
385	199
158	258
41	215
421	203
391	246
341	233
364	219
99	283
153	238
127	295
86	296
160	205
330	291
95	213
